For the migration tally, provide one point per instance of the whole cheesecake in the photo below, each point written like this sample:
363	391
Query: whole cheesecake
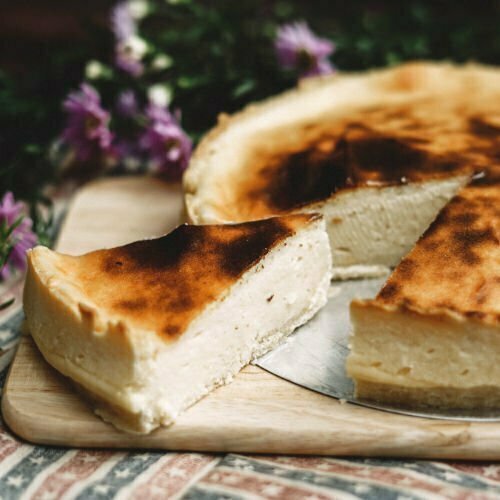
379	154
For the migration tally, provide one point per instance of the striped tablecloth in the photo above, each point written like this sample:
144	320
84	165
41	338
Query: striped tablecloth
42	472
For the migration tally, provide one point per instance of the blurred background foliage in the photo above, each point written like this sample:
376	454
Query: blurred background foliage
220	57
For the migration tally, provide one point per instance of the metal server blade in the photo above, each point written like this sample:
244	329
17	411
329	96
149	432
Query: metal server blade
314	356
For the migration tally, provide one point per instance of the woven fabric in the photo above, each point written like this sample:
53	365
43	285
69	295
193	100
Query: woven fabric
42	472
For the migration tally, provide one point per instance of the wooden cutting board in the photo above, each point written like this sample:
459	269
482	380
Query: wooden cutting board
258	412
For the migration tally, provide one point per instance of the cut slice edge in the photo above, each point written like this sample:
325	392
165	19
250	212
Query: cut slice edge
423	359
431	337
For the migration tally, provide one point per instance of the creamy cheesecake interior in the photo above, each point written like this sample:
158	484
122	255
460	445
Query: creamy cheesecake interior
149	328
431	337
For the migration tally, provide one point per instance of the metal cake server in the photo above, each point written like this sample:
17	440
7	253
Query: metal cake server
314	356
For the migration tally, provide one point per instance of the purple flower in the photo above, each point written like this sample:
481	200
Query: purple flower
126	104
127	62
20	239
10	210
157	113
128	153
129	48
168	146
123	24
297	47
87	124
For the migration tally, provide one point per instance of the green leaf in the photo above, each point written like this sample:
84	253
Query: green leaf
244	88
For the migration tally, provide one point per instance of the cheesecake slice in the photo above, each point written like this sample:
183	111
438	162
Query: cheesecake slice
149	328
431	337
379	154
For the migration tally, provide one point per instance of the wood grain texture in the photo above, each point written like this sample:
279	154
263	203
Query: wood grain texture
257	412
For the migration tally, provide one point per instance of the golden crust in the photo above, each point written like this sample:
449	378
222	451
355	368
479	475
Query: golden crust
162	284
416	122
454	268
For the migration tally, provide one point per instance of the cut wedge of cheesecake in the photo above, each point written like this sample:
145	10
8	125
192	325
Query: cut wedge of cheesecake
379	154
149	328
431	338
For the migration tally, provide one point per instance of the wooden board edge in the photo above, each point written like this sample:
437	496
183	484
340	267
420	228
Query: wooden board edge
450	441
16	420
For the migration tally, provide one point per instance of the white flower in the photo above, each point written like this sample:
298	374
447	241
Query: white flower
94	70
136	47
131	164
138	8
162	61
159	94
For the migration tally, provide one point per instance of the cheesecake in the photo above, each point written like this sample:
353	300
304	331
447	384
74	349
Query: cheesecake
148	328
379	154
403	164
431	337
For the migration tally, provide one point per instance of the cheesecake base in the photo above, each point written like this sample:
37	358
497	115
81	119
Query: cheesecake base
485	397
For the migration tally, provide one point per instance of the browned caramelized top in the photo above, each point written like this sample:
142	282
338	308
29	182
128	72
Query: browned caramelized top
430	138
162	284
456	264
